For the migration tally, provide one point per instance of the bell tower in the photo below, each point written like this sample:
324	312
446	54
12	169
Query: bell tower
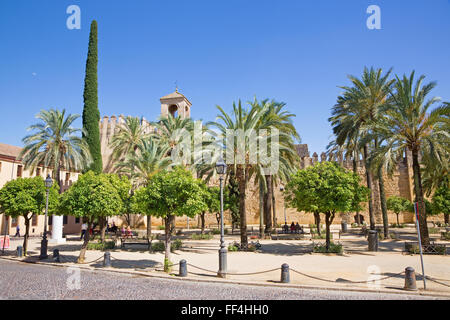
175	104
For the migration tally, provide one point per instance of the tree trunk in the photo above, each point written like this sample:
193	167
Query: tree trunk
241	176
274	210
168	232
327	225
202	217
268	204
261	209
329	216
446	218
317	221
27	234
369	185
383	203
102	229
398	221
149	227
85	243
418	190
355	170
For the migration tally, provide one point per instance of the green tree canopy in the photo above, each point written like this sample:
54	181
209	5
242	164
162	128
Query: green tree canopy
169	194
26	197
327	188
92	197
441	200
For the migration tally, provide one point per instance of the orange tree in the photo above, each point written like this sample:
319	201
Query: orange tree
325	188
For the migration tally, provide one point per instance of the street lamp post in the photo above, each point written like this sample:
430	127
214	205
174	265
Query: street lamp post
285	221
221	169
44	242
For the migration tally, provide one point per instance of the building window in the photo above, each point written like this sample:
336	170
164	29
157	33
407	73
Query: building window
0	167
38	172
64	219
19	171
50	220
77	220
34	220
67	176
14	222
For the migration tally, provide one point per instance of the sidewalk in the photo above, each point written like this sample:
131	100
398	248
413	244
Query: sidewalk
322	271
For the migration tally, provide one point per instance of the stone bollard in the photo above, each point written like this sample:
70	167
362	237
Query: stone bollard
344	227
20	251
410	279
183	268
373	240
107	260
285	273
56	255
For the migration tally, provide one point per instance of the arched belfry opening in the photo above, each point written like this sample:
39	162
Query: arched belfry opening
173	110
175	104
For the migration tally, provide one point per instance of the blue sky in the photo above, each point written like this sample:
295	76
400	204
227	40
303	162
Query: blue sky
297	52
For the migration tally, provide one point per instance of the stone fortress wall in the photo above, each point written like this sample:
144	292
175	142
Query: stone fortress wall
400	184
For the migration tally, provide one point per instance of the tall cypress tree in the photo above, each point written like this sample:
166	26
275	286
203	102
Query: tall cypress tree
91	114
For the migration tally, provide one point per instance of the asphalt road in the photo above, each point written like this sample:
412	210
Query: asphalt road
33	281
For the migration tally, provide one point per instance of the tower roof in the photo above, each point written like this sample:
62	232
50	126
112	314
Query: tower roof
174	95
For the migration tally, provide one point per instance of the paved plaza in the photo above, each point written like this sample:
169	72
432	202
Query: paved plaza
349	271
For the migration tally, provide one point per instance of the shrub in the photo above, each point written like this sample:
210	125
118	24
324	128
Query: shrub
207	236
322	235
176	245
433	230
232	248
394	225
215	231
160	245
225	231
161	227
108	245
446	235
322	248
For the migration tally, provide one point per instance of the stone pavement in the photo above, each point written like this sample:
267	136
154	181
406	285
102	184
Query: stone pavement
318	270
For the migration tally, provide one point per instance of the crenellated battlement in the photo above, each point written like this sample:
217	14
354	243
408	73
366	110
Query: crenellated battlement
347	162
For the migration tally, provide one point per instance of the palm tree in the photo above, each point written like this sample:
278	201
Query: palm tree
356	112
282	121
410	125
129	135
149	158
243	157
55	144
176	133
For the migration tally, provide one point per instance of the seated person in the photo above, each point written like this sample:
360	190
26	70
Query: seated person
286	228
123	231
298	228
292	227
129	232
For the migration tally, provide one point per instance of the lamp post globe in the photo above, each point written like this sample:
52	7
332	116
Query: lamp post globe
48	184
221	169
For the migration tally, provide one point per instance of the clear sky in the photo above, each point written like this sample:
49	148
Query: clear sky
295	51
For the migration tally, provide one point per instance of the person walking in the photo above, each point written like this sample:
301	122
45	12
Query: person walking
17	231
83	230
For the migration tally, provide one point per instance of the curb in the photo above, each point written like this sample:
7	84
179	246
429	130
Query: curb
162	275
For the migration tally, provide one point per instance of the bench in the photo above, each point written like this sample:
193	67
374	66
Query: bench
135	241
